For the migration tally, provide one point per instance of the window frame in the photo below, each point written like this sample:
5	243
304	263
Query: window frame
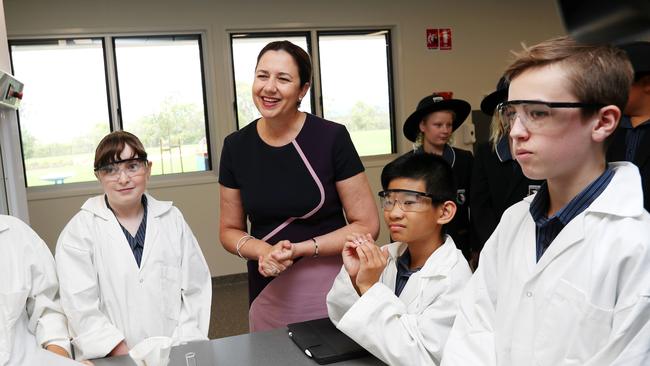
114	115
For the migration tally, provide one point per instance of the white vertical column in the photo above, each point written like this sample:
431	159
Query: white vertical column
14	193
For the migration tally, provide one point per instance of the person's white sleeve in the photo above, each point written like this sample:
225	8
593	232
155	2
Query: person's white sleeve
471	340
379	321
196	290
46	318
94	334
341	296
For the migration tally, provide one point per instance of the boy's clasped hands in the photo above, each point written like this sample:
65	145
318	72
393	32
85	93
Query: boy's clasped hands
364	261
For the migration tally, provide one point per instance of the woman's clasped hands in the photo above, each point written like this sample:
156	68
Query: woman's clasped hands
277	259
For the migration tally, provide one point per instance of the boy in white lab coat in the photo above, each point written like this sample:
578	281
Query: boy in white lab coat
30	314
399	302
565	277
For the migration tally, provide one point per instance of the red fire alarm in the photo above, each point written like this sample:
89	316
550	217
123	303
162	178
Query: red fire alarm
432	38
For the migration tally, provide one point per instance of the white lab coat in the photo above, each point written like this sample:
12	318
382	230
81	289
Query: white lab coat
31	317
106	296
409	330
586	302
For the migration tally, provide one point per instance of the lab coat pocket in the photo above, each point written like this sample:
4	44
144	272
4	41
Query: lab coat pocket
171	290
13	304
572	329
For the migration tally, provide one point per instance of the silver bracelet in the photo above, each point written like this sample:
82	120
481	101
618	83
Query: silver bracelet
240	243
315	247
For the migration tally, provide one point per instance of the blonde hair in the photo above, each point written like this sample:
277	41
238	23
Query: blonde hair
496	131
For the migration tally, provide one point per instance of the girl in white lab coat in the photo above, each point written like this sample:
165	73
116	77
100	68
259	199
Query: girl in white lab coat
399	302
129	266
31	317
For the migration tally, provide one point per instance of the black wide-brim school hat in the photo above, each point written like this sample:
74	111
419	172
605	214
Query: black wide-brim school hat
434	103
639	55
490	102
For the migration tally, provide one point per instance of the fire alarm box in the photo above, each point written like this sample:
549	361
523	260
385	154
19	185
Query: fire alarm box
11	91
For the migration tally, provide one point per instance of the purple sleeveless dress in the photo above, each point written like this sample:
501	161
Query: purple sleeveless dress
289	193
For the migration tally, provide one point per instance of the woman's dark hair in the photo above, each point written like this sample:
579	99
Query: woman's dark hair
111	146
436	173
298	54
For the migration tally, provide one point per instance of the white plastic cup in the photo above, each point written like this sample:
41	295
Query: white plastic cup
153	351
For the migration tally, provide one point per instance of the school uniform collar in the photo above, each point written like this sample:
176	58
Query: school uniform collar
404	262
623	195
626	123
97	206
439	263
448	153
539	205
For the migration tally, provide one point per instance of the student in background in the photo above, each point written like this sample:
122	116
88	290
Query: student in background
31	317
631	141
430	127
129	266
399	302
497	179
564	279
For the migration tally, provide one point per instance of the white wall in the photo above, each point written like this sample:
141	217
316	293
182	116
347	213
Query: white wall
484	32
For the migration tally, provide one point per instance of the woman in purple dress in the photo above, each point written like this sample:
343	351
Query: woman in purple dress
299	181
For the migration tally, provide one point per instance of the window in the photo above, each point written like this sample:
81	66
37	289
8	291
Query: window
161	98
352	81
153	87
245	48
64	112
355	86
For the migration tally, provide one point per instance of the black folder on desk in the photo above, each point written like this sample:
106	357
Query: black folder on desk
322	341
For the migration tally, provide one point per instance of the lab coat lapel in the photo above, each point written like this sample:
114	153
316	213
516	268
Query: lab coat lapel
438	265
620	198
155	209
117	238
530	249
572	234
120	242
389	275
150	239
412	289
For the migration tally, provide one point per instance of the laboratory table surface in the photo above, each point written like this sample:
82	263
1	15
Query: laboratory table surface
271	348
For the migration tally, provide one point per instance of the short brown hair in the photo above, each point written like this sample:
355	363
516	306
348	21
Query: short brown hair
298	54
111	146
598	74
